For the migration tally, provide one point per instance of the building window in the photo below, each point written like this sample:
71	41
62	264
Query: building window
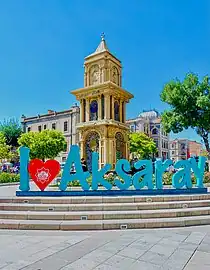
39	128
45	126
154	131
65	126
116	111
28	129
132	128
53	126
156	142
93	110
63	159
172	152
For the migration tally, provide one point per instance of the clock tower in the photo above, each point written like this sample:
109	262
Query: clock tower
102	126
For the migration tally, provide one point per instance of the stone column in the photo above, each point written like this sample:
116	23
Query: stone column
99	157
113	107
82	152
124	111
81	111
99	108
87	110
121	111
107	107
106	151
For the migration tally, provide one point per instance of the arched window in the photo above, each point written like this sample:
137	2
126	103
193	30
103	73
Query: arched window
120	146
154	131
116	111
91	145
93	110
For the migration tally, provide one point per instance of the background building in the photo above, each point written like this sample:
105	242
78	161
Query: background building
149	122
184	149
64	121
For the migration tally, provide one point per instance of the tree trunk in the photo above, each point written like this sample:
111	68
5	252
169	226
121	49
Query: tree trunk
206	142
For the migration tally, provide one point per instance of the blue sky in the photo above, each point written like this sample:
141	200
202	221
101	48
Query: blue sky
43	44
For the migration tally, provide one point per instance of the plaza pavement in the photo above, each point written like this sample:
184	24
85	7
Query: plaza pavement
182	248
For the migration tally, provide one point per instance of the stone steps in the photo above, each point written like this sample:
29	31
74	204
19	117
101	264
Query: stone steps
103	213
103	224
104	206
96	200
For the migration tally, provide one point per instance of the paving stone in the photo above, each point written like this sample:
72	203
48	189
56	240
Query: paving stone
204	247
106	267
154	258
166	250
52	263
141	265
178	259
130	252
98	256
120	262
188	246
195	238
81	264
199	260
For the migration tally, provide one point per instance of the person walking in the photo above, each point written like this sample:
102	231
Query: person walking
84	165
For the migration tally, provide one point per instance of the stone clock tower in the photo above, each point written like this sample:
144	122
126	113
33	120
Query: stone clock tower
102	126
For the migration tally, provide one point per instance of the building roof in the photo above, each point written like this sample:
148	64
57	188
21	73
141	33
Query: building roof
102	47
149	114
50	114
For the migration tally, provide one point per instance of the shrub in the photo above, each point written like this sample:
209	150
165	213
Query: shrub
9	177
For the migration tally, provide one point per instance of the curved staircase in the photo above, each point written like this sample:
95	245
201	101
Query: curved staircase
104	213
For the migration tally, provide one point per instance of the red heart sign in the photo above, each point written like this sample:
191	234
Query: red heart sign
43	173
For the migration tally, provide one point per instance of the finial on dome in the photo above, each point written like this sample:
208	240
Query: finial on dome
102	36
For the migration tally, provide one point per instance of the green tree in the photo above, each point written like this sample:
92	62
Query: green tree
142	145
43	145
4	148
189	102
12	130
204	153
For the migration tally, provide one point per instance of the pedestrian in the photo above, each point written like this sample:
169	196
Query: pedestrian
84	165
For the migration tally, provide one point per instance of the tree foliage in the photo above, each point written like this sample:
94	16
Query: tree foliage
43	145
12	130
204	153
142	145
189	102
4	148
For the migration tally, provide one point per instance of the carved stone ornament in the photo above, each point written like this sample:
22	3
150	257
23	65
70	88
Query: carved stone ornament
111	131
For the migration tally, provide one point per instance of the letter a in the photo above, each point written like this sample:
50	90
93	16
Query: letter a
182	177
145	174
74	157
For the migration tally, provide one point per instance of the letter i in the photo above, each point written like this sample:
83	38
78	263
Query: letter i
24	176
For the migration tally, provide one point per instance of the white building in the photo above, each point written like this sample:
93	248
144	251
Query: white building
149	122
64	121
